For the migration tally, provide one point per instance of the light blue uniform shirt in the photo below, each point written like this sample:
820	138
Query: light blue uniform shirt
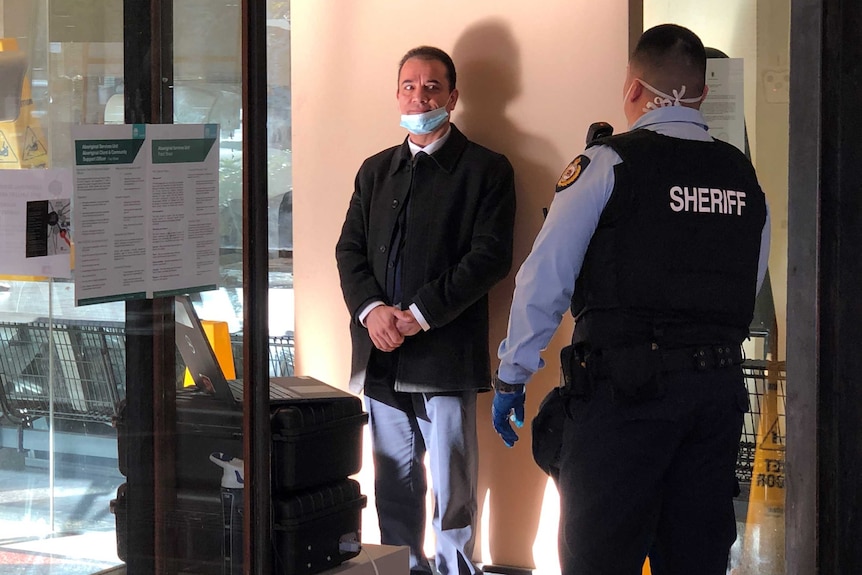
546	280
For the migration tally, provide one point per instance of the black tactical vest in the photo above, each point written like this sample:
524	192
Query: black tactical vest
674	258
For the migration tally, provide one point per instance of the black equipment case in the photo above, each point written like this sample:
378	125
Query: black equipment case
313	530
316	446
316	428
313	441
120	508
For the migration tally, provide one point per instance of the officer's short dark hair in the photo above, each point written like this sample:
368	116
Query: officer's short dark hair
672	50
432	53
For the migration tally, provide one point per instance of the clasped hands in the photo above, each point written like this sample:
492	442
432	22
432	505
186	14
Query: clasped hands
388	326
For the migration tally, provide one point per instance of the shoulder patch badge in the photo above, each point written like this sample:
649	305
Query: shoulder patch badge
572	172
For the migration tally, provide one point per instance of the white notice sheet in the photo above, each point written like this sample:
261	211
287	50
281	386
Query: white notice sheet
36	223
110	213
723	108
184	208
146	214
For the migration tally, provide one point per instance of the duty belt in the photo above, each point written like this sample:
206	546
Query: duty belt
697	358
701	358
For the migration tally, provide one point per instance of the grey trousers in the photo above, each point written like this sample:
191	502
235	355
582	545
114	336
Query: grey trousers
403	427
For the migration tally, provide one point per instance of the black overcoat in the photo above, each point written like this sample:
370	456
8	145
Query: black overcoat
458	245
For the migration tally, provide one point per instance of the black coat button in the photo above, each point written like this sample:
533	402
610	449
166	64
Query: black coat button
394	204
381	249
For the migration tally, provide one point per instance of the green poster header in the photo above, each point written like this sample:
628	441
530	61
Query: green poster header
106	152
181	151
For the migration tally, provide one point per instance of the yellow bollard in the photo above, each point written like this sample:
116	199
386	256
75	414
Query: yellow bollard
763	545
219	338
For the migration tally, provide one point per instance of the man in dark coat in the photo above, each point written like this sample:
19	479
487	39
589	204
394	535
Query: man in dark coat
428	232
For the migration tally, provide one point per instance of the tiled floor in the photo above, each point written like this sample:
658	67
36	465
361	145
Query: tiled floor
88	545
76	537
73	555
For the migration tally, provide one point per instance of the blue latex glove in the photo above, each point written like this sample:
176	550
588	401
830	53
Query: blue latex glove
504	404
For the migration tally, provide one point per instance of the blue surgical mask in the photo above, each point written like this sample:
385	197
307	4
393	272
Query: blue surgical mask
424	123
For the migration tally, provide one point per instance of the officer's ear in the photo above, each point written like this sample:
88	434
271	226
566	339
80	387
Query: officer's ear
635	90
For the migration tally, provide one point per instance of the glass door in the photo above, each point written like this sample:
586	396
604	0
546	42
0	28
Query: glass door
62	367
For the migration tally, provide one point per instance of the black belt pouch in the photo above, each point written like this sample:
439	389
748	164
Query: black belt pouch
547	428
575	379
634	373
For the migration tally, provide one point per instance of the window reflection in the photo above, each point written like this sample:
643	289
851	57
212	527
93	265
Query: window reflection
207	88
62	367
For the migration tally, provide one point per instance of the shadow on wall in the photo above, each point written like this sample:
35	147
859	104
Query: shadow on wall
489	80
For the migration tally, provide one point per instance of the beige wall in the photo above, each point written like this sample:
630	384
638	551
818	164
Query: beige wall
531	82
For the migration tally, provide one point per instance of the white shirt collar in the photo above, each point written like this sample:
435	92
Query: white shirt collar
432	147
677	122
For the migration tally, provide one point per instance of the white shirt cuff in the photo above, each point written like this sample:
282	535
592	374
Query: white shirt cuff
364	313
419	317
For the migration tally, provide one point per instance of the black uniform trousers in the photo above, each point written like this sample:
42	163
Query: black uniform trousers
653	478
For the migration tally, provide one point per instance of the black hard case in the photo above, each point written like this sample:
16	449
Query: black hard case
312	529
120	508
316	445
313	442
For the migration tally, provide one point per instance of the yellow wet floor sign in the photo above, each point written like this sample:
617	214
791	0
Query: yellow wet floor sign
7	151
33	148
763	543
22	141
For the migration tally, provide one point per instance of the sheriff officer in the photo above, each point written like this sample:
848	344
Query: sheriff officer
658	239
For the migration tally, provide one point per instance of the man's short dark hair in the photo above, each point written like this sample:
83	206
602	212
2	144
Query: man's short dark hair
672	50
432	53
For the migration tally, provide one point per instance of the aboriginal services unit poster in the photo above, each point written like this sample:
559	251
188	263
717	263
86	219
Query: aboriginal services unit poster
146	216
35	223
